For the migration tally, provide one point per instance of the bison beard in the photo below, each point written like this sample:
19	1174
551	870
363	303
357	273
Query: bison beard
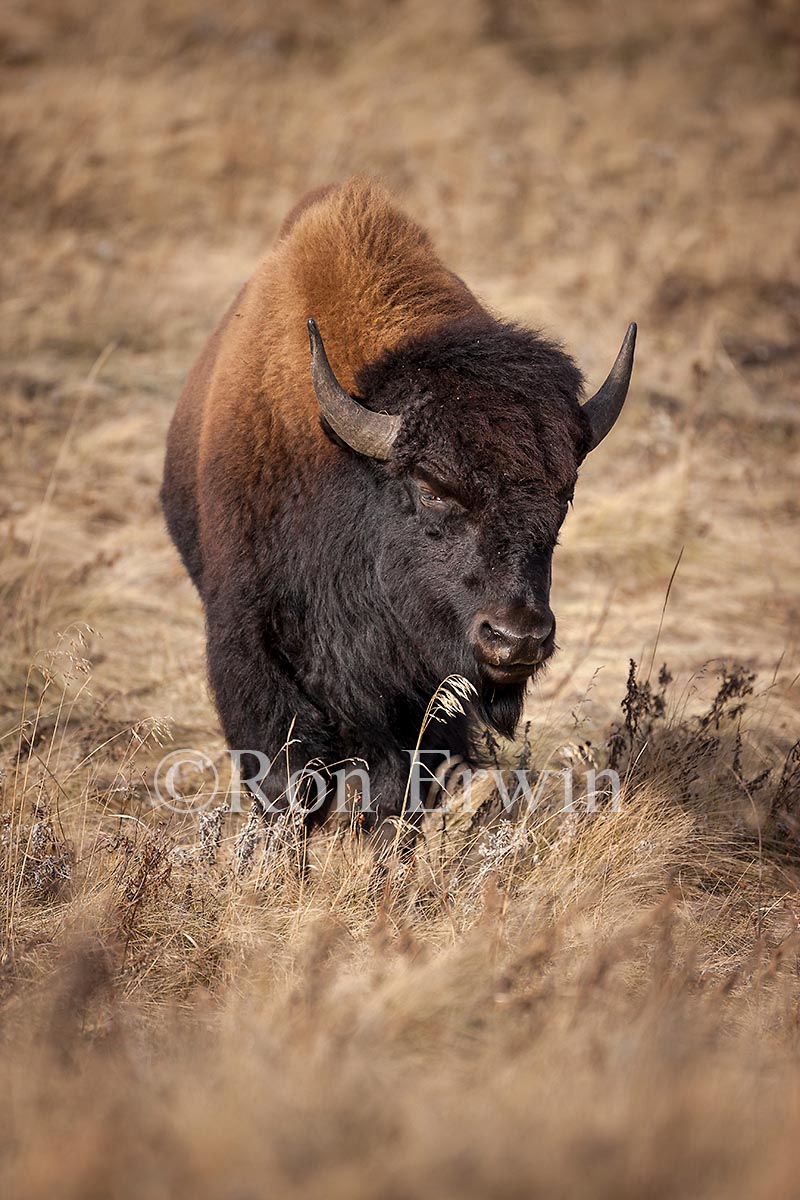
349	564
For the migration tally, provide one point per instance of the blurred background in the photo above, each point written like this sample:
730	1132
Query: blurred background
580	163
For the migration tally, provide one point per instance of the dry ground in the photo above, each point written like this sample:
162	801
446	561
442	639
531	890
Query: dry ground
600	1005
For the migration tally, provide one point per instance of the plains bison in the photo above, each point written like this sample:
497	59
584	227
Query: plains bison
362	529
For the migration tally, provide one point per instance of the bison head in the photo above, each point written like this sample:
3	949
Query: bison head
470	438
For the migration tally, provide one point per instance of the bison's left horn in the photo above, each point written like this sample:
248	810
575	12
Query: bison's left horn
606	404
365	431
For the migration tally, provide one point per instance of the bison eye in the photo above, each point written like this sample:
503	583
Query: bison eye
429	498
434	493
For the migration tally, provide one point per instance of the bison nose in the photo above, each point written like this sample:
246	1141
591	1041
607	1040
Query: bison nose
513	639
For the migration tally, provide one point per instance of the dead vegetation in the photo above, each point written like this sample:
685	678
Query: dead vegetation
550	1003
570	1002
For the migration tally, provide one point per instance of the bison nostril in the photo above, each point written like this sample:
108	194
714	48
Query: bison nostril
491	633
499	643
541	632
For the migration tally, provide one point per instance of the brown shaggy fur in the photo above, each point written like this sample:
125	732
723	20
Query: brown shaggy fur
367	272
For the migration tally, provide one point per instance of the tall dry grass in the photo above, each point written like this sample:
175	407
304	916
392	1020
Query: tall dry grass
599	1003
554	1004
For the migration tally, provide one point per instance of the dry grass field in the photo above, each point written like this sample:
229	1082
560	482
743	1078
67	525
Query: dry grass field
578	1004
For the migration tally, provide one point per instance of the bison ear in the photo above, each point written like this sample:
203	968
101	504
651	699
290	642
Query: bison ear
606	404
367	432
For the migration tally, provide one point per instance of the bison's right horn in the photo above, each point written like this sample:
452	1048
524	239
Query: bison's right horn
606	404
365	431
